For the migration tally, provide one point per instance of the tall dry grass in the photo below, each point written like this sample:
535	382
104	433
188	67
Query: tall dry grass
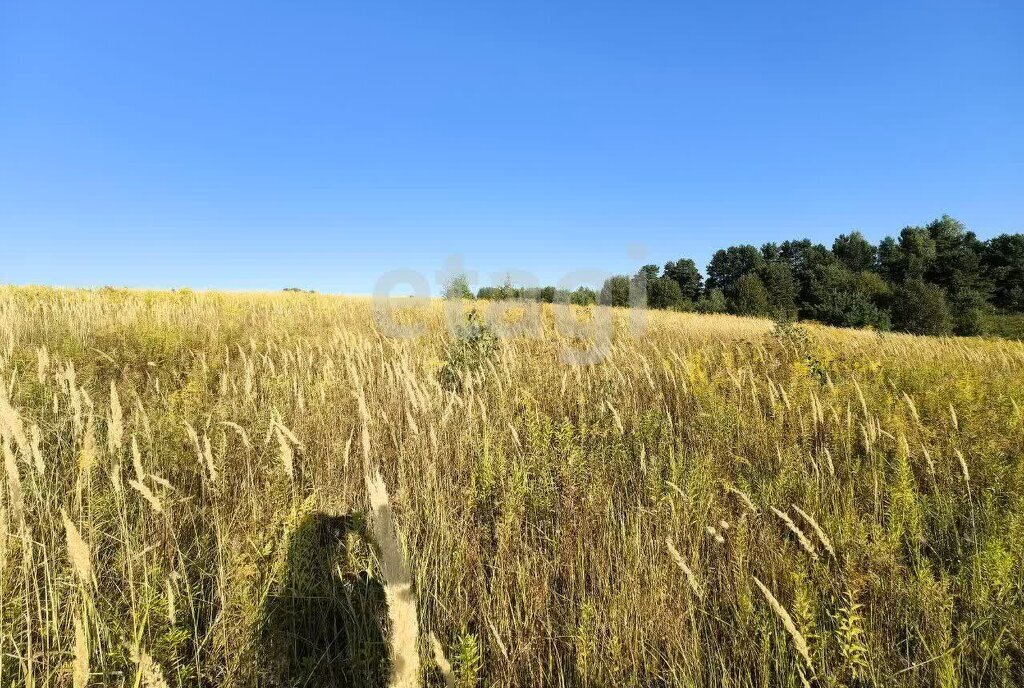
180	467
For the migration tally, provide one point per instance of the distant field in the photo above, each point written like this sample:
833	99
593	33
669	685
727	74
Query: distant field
190	498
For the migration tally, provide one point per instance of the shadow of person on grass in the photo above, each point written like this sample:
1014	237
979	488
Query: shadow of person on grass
324	624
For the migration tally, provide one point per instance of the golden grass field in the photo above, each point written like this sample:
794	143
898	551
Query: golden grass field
191	497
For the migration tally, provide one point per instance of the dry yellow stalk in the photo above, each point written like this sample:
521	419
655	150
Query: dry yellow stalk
398	590
913	408
13	482
285	452
817	530
36	437
171	609
287	433
5	531
440	660
963	466
115	427
87	455
149	675
681	563
242	434
140	474
208	455
81	663
11	424
43	364
147	494
787	621
744	497
78	550
715	534
616	418
805	543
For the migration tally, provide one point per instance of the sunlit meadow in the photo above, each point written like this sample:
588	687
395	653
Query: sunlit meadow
204	489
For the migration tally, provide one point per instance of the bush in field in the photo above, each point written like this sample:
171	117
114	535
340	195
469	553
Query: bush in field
921	308
713	302
850	309
968	313
583	296
663	293
474	342
751	297
615	292
458	288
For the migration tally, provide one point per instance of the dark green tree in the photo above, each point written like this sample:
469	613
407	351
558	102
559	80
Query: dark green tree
488	293
958	255
807	261
583	296
615	292
969	311
855	252
713	301
1003	262
782	288
685	273
648	273
843	298
751	297
458	288
645	282
890	260
909	258
727	266
921	308
850	309
771	252
664	292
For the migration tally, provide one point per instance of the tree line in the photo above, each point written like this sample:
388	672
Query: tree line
936	279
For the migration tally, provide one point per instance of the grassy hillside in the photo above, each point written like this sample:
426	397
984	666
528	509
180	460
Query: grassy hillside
721	502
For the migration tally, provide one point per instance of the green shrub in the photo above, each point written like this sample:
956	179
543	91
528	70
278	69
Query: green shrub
473	344
921	308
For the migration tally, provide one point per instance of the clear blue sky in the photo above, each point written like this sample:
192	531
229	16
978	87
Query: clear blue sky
318	144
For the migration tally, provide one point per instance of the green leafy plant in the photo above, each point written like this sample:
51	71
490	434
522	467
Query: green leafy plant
851	636
474	343
468	662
